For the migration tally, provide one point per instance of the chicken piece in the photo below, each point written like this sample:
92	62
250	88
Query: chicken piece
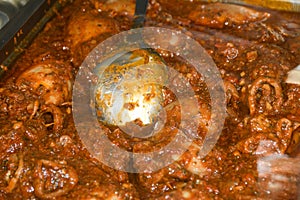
265	135
47	172
125	7
271	92
219	15
50	86
50	81
85	26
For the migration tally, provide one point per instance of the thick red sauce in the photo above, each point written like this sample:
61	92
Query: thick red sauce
41	153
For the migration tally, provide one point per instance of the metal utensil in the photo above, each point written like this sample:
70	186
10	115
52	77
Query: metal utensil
130	87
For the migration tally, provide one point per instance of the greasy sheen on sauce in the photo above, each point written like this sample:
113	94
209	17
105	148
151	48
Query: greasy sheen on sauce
42	156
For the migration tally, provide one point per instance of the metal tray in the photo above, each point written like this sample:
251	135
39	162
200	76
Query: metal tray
21	21
20	28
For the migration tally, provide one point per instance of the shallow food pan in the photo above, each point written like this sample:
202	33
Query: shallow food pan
55	114
20	21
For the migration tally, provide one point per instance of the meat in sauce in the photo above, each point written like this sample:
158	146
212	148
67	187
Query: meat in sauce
43	157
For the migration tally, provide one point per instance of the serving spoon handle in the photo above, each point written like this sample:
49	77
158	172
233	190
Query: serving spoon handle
140	13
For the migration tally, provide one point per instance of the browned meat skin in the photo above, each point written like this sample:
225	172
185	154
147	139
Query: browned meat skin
219	15
50	86
88	24
260	128
42	156
268	100
125	7
52	82
86	28
48	172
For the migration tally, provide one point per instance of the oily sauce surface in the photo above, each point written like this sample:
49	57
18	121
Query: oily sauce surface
256	156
